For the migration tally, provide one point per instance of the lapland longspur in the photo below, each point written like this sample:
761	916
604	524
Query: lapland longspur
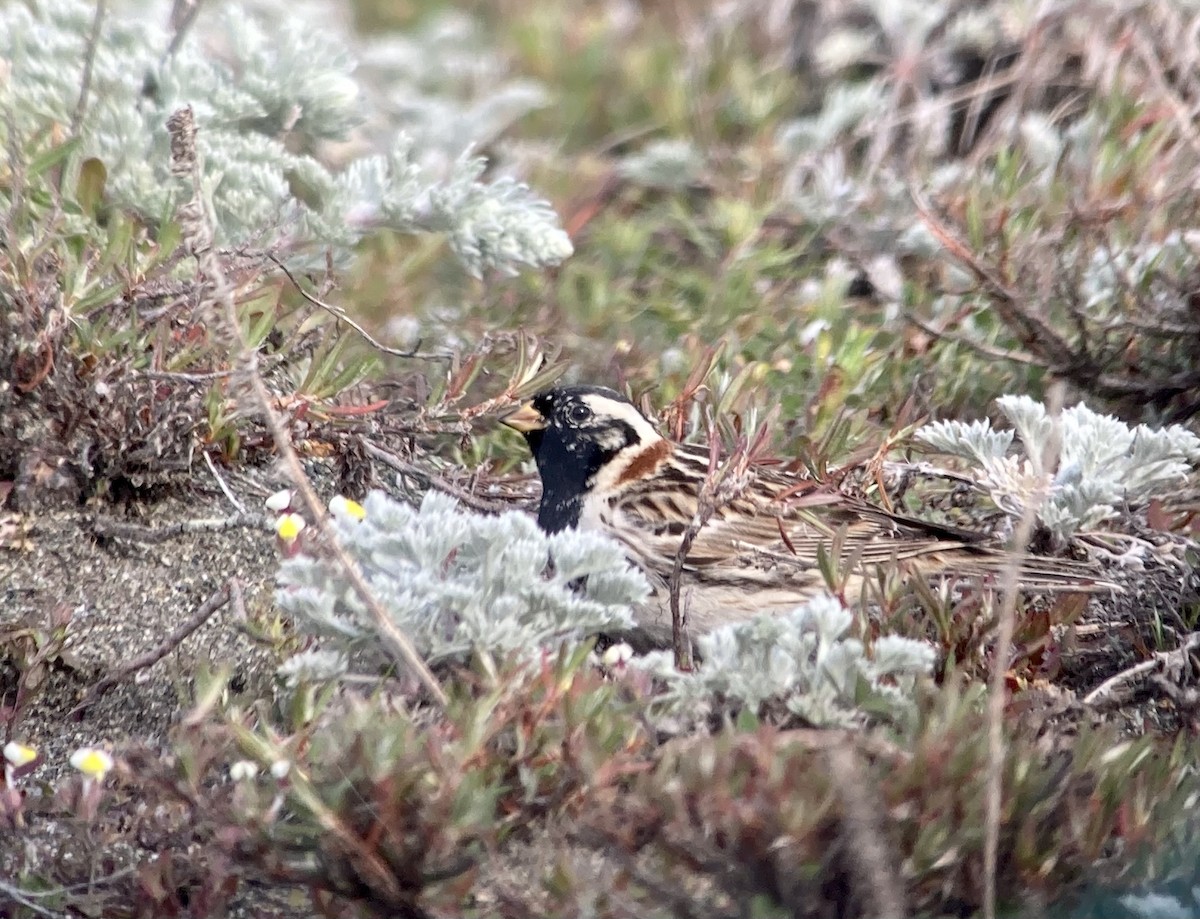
604	466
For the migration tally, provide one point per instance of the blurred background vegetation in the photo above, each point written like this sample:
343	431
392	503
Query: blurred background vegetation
778	179
862	212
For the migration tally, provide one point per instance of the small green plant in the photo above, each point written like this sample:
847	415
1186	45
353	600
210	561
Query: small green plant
110	357
787	818
401	815
30	648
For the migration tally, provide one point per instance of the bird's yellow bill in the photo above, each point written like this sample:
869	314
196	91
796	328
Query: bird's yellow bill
525	419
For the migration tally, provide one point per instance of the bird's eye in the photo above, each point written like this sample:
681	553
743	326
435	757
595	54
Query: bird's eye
579	413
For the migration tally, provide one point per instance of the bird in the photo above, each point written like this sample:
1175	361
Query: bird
605	467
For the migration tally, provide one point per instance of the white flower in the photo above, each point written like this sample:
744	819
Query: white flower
243	770
617	655
280	501
280	769
18	754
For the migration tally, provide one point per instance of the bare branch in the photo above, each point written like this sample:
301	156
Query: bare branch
183	15
723	484
118	529
89	61
1184	119
340	314
161	650
232	498
1162	660
432	480
1010	590
866	848
1037	333
1000	354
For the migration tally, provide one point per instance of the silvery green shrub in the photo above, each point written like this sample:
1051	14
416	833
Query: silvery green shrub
270	89
803	660
455	581
1102	463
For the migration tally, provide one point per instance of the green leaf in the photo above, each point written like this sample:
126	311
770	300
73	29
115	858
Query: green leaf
747	721
89	191
327	367
258	319
166	242
118	246
55	156
97	297
348	376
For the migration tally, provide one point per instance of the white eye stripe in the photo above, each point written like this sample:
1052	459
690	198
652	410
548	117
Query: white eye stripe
604	407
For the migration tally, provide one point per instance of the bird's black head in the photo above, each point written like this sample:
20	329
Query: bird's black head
577	435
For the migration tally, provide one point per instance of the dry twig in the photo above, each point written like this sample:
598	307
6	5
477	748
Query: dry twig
724	482
161	650
1035	331
867	851
183	15
108	528
1000	354
1010	590
340	314
225	490
1162	660
431	480
89	62
1045	346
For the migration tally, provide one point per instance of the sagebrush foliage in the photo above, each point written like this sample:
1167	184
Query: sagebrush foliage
719	200
1077	470
803	661
109	359
267	93
457	582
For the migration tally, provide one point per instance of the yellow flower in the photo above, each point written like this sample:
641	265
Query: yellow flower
92	762
289	527
341	506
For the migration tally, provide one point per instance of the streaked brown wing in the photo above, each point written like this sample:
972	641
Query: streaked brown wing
772	533
780	521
